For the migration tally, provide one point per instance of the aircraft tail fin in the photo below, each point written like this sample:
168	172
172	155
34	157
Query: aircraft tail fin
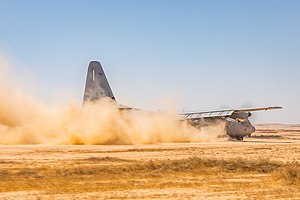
97	86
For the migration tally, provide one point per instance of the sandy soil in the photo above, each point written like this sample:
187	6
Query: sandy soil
265	166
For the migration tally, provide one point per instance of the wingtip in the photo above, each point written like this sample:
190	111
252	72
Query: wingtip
276	107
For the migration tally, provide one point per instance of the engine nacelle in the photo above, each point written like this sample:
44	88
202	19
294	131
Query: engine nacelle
240	115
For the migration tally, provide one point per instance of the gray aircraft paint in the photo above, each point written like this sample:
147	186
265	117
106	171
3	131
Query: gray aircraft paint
238	124
97	86
238	130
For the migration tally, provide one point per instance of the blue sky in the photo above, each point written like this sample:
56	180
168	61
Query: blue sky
201	55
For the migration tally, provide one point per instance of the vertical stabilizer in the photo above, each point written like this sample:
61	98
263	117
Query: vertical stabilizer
97	86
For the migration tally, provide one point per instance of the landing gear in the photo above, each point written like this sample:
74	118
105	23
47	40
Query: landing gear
239	138
232	138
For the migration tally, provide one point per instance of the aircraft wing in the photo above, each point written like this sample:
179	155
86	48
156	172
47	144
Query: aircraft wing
222	113
206	114
258	109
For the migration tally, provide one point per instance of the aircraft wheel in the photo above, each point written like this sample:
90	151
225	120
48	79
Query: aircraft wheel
239	138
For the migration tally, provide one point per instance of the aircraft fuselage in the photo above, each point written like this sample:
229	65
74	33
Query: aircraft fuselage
238	129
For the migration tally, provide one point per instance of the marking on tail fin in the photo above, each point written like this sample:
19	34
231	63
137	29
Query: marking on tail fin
93	75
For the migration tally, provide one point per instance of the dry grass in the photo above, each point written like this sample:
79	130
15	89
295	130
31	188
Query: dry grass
289	173
223	170
111	173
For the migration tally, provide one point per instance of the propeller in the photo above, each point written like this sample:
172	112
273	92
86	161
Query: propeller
225	107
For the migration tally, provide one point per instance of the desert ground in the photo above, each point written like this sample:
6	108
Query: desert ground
265	166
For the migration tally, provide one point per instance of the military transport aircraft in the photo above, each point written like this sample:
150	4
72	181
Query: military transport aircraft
238	123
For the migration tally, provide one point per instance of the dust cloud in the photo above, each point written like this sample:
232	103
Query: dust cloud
26	120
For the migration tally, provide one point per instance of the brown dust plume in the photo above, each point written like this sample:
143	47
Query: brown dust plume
26	120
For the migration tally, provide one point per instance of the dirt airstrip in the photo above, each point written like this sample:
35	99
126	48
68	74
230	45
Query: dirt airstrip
265	166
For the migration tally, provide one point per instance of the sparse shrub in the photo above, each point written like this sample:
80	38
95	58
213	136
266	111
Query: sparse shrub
289	173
